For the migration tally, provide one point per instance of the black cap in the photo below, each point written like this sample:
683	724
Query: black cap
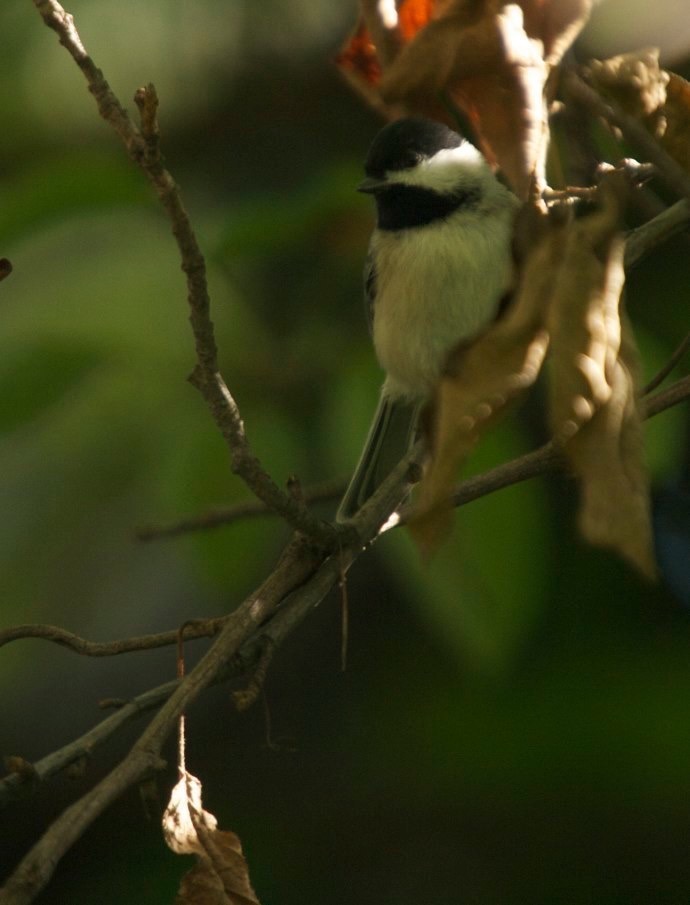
402	144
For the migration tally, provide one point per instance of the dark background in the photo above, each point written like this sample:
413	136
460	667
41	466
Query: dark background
513	723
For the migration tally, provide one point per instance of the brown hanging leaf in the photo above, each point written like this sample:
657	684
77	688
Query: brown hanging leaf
491	58
608	457
676	138
358	57
636	83
660	100
583	318
493	71
484	378
593	408
220	875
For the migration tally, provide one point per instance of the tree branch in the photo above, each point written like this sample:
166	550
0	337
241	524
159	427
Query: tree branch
226	515
639	242
670	172
201	628
34	871
13	785
142	147
305	572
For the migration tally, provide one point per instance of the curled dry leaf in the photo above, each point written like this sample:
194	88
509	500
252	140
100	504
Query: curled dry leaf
676	139
594	402
492	59
221	875
635	82
660	100
583	319
608	457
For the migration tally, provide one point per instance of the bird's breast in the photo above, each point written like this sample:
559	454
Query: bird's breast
435	286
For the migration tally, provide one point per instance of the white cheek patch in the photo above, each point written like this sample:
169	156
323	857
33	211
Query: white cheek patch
446	170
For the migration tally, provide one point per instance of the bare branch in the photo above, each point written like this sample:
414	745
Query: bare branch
671	173
245	697
659	377
261	612
201	628
37	867
642	240
305	572
226	515
666	399
13	786
142	147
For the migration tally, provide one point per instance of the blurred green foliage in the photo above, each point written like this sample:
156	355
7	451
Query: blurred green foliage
511	727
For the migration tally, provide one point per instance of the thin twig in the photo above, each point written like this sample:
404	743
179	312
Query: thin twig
645	238
12	786
245	697
662	374
666	399
671	173
226	515
36	868
143	147
541	461
201	628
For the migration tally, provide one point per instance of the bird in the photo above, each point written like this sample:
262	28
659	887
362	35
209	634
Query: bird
438	265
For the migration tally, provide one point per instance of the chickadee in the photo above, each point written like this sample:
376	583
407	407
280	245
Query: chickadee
439	262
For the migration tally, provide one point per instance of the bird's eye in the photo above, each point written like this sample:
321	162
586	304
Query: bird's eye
410	159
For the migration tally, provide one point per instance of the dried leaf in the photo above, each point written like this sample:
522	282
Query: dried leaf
483	380
493	71
491	58
660	100
608	457
636	83
594	411
583	318
358	56
221	874
676	138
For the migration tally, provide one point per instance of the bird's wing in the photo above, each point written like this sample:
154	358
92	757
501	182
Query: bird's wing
370	290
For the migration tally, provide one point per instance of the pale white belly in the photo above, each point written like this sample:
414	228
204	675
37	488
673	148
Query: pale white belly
435	287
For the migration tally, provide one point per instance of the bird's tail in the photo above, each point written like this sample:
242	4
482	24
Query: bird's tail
390	436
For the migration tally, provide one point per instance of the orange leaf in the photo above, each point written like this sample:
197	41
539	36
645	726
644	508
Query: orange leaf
358	56
493	59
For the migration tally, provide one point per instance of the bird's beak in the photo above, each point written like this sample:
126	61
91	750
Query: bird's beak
371	185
